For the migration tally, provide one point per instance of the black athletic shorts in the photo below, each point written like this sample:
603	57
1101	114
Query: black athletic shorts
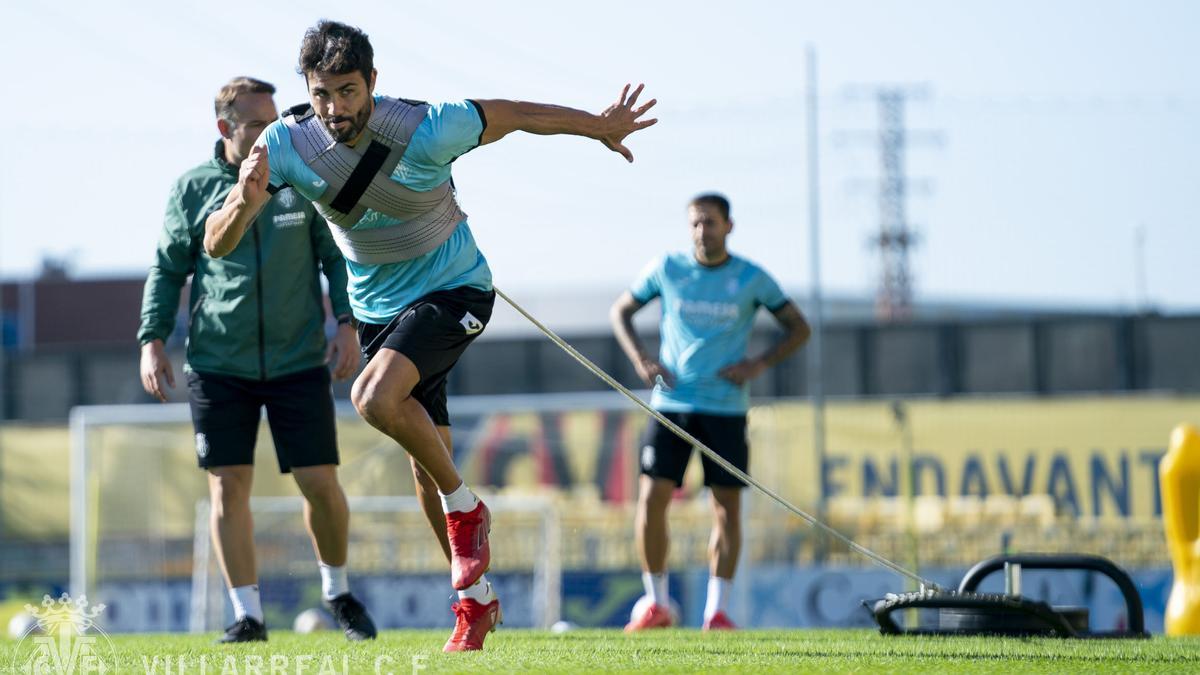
665	455
432	332
226	411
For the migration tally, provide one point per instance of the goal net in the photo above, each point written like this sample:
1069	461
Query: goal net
558	471
396	567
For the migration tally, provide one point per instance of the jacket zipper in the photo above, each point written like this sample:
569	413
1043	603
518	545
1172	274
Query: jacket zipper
262	352
196	307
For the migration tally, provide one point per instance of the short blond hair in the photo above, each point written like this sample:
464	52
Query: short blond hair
228	94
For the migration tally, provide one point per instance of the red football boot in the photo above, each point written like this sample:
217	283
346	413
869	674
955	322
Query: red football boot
654	616
470	554
719	621
474	622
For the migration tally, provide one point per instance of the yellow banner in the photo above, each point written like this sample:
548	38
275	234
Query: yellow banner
1097	457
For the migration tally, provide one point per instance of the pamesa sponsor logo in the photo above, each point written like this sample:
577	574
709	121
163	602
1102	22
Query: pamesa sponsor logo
291	219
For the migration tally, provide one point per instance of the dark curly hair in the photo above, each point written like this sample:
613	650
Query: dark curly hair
333	47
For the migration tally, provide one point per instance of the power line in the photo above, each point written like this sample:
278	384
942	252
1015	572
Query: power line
894	294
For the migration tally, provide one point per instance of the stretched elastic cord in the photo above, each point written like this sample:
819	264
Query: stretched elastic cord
708	452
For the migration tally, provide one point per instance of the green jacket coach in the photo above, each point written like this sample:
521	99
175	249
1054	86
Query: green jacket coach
258	312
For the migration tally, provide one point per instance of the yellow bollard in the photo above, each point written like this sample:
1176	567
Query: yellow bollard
1179	476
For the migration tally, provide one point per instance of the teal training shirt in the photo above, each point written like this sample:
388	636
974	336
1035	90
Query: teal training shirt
380	292
707	316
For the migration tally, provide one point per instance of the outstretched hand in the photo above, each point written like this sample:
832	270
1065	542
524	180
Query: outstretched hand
621	119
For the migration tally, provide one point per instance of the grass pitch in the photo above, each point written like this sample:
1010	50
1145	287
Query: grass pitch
679	651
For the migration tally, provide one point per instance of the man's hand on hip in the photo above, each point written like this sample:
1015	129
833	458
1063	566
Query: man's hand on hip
650	370
743	371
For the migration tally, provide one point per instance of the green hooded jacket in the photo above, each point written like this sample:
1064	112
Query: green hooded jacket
257	313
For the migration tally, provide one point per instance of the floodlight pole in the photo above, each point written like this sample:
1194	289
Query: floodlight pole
816	378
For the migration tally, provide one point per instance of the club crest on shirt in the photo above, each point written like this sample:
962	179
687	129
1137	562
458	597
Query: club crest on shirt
731	286
287	197
681	278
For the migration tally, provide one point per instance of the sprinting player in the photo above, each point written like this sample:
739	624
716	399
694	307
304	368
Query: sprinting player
378	169
701	382
256	339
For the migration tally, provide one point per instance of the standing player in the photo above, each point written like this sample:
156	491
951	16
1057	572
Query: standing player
256	339
378	169
701	382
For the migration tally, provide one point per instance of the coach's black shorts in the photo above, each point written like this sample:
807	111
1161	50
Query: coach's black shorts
226	411
665	455
433	332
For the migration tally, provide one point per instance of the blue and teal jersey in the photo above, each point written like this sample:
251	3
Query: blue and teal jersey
380	292
707	316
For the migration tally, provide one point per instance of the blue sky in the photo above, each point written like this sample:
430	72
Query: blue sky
1065	126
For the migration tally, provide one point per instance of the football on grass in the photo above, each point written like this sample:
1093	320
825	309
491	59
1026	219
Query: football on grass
22	624
312	620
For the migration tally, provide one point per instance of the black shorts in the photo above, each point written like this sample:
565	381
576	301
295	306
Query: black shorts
433	332
226	411
665	455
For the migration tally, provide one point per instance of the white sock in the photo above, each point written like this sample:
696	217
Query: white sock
462	499
246	603
333	581
656	587
481	592
718	596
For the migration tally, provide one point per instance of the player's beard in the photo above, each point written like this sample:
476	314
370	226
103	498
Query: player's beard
352	130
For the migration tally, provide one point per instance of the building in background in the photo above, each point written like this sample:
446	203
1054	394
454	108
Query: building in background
71	342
